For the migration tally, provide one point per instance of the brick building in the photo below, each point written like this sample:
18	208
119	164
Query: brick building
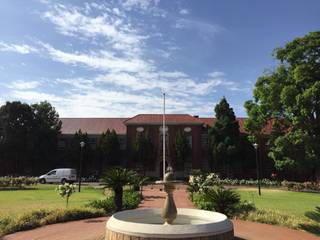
194	127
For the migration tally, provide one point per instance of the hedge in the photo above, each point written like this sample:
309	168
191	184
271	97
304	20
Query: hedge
17	182
43	217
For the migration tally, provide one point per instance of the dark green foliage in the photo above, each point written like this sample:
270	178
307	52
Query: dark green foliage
109	146
116	178
45	135
223	200
131	200
181	148
139	182
224	136
107	205
44	217
201	202
73	152
28	136
144	150
289	98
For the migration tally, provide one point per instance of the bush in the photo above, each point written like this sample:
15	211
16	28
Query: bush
43	217
200	181
201	202
107	205
250	182
296	186
131	200
223	200
17	182
64	215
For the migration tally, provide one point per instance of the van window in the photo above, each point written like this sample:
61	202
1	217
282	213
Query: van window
52	173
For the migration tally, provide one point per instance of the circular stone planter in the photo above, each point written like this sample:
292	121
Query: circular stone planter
190	223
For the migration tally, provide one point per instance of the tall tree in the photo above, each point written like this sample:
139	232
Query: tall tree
181	148
16	128
74	151
224	135
110	147
289	98
45	135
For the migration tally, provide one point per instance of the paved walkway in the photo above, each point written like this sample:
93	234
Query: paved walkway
93	229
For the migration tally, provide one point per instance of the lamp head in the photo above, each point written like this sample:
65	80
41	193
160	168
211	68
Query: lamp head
82	144
255	145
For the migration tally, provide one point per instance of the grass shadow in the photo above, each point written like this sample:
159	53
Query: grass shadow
311	228
314	215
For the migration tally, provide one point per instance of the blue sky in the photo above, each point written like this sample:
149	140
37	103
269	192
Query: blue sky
114	58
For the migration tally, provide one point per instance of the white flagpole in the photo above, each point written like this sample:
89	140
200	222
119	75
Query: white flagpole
164	135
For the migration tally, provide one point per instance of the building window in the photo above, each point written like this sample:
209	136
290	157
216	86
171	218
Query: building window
189	139
161	129
204	141
61	143
92	142
140	129
122	142
187	129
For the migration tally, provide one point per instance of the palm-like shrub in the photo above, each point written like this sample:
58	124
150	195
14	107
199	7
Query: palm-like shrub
223	200
116	178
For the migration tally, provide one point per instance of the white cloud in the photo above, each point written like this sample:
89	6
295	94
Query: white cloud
34	96
22	49
184	11
142	4
112	25
102	60
204	28
23	85
123	80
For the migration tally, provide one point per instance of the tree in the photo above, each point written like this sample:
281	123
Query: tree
181	148
110	147
224	135
73	151
16	131
45	134
28	136
116	178
289	98
144	149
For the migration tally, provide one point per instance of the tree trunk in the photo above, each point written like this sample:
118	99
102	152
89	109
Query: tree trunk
118	193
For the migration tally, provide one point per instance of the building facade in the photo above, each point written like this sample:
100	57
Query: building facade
194	128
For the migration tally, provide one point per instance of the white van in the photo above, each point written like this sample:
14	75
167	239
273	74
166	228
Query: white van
59	175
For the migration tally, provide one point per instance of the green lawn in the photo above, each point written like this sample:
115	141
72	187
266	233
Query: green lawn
43	197
296	203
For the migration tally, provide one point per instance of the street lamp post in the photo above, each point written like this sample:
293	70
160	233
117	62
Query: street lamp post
82	144
255	145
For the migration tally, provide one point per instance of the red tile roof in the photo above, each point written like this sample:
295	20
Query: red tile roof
157	119
93	125
210	121
100	125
